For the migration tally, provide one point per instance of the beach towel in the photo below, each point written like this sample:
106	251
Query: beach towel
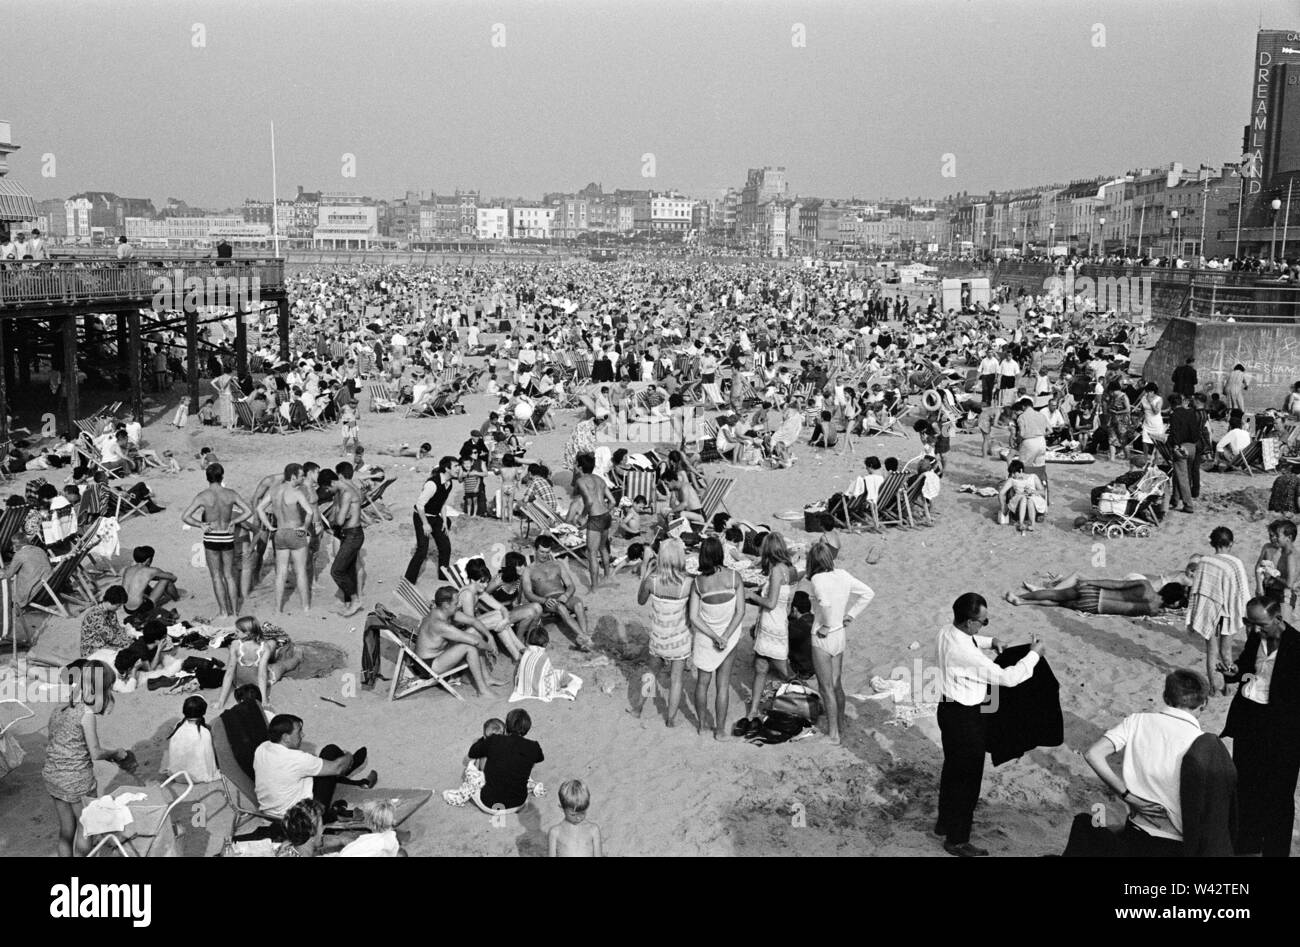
1217	603
107	814
535	679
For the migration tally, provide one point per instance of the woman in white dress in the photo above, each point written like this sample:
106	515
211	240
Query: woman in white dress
1153	423
716	610
771	633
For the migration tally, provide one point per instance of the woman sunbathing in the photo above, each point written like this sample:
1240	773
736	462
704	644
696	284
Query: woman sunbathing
1134	596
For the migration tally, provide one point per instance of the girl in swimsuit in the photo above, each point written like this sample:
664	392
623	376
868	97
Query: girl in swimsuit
259	654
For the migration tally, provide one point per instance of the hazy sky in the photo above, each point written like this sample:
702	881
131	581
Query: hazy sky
1014	89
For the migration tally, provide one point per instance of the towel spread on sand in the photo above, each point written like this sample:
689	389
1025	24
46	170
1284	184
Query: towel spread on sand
1217	603
535	679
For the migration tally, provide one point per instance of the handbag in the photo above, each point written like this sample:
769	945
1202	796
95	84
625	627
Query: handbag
797	700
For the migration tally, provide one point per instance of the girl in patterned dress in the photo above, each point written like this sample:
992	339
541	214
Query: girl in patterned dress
666	585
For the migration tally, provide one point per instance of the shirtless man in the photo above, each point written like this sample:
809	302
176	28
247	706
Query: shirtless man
252	539
218	511
443	646
595	501
147	588
550	584
685	501
293	512
346	517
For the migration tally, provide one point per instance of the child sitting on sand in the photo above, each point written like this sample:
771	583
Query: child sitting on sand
474	780
381	841
207	457
630	522
189	748
575	837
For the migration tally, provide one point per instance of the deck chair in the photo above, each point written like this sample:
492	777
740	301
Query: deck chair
91	427
373	507
890	508
849	512
912	499
236	785
889	425
713	391
119	502
1251	457
413	598
546	521
245	421
63	586
128	845
89	452
382	396
412	674
642	483
11	520
715	495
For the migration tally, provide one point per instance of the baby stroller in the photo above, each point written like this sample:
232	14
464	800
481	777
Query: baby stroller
1128	514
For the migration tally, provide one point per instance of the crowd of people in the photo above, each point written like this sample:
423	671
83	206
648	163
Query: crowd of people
740	364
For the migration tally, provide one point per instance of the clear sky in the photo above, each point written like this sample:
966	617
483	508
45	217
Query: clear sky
123	98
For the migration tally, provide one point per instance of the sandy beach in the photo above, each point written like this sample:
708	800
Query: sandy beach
657	791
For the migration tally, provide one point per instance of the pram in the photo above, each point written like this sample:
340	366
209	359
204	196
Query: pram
1128	514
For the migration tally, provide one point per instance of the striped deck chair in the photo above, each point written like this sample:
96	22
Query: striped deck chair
890	508
582	367
642	483
373	508
412	598
365	364
91	427
715	495
119	502
887	422
67	584
848	513
245	422
91	455
11	520
709	442
546	521
413	674
748	395
713	392
913	499
382	396
1252	456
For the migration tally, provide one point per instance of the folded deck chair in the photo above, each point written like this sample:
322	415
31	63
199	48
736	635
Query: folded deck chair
412	598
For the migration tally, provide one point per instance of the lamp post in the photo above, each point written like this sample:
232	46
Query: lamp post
1051	241
1101	235
1272	247
1173	226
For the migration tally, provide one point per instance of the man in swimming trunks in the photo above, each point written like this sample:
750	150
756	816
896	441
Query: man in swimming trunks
684	501
550	584
218	511
252	538
346	517
1130	597
442	645
595	501
293	512
147	588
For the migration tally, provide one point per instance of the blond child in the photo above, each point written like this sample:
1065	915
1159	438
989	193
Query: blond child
986	431
474	780
380	817
349	428
575	837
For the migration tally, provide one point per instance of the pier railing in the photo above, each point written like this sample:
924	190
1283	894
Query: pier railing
35	285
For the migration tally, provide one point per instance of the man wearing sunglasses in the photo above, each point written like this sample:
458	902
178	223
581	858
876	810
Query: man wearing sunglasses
967	673
1264	723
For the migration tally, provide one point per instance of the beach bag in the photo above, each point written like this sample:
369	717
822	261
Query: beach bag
799	701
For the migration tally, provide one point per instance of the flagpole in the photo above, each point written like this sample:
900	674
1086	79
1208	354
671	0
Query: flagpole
1286	220
275	202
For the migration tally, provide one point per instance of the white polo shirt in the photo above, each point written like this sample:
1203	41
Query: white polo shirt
1154	744
283	776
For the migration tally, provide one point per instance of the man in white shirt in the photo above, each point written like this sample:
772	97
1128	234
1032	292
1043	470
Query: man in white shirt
7	247
36	247
124	249
283	774
20	246
1230	446
966	674
1153	744
868	483
988	372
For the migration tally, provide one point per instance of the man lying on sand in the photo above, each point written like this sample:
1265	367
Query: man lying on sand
1134	596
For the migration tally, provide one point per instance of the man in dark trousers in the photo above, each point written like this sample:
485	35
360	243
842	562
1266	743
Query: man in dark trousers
1264	723
966	673
1185	440
1185	378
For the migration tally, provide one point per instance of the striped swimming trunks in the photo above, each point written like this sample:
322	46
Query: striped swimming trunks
219	540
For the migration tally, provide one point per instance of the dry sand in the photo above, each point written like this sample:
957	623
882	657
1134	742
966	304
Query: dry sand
657	791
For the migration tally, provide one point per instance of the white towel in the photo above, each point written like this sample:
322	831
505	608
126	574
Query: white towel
535	679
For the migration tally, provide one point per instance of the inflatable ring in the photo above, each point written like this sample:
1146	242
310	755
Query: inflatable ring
931	400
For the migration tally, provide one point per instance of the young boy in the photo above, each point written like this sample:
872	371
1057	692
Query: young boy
985	426
473	779
575	837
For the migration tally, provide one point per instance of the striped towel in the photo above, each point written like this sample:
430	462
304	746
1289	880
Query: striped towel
1220	590
535	679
